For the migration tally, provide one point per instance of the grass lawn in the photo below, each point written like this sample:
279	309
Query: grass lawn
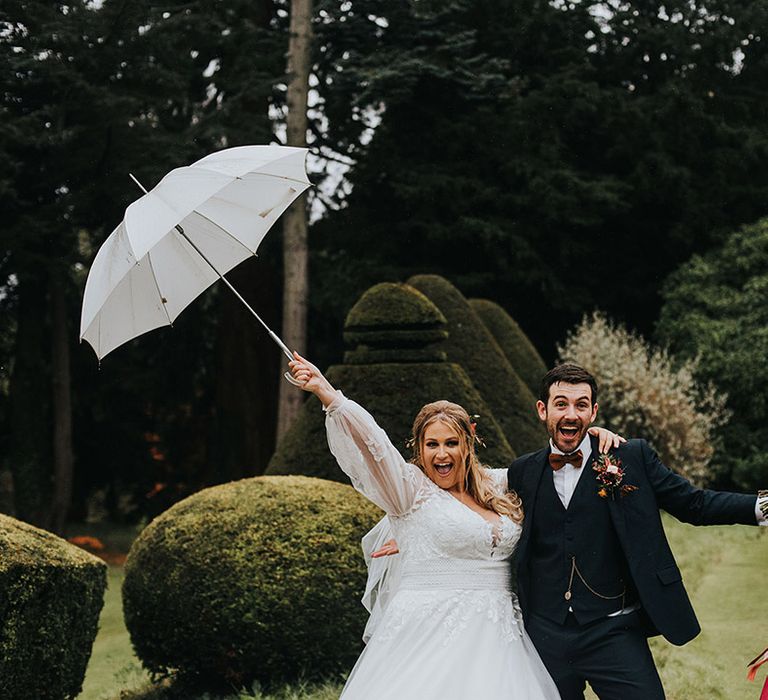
113	666
724	570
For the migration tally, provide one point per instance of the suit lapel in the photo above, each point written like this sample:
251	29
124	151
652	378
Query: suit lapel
615	507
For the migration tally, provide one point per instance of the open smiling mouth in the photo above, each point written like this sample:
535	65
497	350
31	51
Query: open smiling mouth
443	469
569	431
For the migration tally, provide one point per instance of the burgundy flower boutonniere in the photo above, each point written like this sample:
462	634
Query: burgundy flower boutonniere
610	474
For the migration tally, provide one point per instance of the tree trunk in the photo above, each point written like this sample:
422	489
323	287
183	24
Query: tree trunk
62	406
29	403
244	421
295	253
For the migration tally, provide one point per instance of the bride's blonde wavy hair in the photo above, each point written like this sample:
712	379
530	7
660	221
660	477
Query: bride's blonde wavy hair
477	482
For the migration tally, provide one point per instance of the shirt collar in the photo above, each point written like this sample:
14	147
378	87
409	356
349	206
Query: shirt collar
585	447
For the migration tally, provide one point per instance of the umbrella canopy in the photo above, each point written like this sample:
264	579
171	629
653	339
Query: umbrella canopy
198	223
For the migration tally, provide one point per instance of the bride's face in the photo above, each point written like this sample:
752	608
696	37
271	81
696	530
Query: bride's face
443	455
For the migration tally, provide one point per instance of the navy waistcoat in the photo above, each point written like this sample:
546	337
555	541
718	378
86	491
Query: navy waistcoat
584	530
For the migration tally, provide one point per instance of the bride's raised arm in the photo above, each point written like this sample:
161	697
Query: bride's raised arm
362	449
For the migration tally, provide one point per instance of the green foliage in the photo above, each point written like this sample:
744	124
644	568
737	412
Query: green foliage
396	367
384	307
515	344
393	323
545	154
471	345
550	156
254	580
643	391
393	393
51	593
90	91
716	310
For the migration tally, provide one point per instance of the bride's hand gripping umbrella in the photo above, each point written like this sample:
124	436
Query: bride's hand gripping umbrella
311	379
186	233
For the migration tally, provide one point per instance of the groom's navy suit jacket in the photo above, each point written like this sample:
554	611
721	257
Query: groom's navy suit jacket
637	523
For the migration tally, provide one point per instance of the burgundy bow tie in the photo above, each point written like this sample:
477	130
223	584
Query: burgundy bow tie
559	461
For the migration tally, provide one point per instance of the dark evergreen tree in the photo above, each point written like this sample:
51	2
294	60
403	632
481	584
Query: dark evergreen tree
565	156
91	93
716	309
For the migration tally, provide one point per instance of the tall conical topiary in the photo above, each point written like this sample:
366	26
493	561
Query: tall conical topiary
394	366
470	344
515	344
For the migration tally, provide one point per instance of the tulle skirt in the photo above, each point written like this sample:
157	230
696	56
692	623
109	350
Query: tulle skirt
450	645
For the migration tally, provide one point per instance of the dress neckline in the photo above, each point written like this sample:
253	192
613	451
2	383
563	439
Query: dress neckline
496	527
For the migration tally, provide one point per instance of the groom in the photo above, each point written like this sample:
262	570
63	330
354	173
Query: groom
595	574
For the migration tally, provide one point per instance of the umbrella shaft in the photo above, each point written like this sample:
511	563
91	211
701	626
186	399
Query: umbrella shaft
272	334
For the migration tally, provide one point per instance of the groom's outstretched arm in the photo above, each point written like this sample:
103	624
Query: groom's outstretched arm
693	505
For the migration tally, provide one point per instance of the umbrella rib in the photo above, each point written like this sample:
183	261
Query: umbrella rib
253	173
163	300
275	177
219	226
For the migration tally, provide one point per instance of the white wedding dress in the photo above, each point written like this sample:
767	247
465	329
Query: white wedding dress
445	623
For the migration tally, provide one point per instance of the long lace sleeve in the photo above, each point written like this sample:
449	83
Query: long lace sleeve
366	455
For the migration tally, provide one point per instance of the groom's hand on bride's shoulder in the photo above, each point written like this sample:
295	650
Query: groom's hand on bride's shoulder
607	440
387	549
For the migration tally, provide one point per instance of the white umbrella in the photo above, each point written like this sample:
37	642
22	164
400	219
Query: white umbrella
197	224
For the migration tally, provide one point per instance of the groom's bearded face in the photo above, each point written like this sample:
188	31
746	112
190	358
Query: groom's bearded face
568	413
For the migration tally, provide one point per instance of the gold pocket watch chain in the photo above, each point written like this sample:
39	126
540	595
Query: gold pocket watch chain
575	570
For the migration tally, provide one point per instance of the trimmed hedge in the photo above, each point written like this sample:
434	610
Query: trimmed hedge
471	345
254	580
393	393
51	594
515	344
392	305
393	323
392	378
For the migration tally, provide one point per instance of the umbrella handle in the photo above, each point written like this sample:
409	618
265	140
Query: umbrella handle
288	354
290	379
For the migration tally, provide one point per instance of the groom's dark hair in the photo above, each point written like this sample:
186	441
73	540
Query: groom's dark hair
568	373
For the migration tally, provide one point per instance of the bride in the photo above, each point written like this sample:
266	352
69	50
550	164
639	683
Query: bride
451	628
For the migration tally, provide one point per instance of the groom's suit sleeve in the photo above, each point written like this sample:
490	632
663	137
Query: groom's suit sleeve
515	474
690	504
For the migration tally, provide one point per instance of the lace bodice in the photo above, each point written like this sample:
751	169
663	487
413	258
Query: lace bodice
428	522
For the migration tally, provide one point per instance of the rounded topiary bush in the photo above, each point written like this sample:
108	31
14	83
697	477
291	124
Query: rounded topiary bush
254	580
514	343
51	593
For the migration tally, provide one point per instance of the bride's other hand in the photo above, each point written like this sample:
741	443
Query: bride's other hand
387	549
607	440
311	379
